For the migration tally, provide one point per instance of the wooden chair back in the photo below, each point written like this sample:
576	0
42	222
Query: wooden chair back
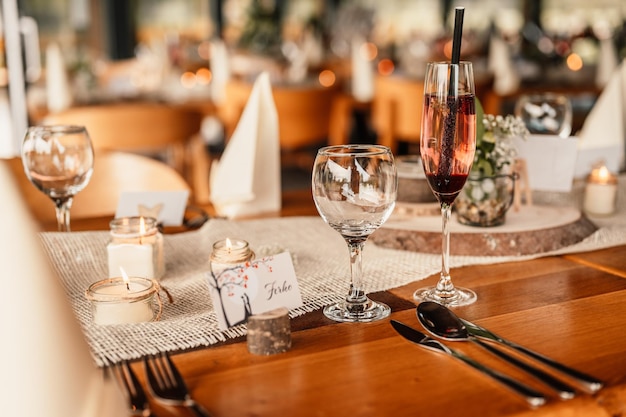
168	132
304	112
114	173
397	110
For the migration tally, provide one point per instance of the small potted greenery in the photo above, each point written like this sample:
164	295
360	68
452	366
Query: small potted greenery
490	186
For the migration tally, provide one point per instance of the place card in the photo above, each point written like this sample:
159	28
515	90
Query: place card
168	207
550	161
254	288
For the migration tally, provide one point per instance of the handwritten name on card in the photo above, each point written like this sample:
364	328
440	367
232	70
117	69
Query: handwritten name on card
254	288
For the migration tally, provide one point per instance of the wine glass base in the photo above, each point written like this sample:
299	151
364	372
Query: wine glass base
459	297
362	312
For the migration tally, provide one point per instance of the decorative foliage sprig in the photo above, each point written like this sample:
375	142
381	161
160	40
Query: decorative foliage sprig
495	151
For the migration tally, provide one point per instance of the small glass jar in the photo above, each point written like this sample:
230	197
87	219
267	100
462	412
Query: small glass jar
136	246
228	253
124	300
600	192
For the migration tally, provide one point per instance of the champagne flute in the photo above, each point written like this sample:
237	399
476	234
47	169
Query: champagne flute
447	147
354	189
58	160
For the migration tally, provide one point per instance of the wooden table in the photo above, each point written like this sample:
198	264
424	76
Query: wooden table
571	307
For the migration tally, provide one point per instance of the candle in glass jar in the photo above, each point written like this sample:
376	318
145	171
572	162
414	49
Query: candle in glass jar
136	246
600	192
229	253
122	300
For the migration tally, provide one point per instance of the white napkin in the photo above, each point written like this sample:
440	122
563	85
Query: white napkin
506	79
607	62
246	179
47	369
220	71
604	131
362	73
57	84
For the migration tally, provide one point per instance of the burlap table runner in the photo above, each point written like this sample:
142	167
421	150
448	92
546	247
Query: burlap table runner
320	259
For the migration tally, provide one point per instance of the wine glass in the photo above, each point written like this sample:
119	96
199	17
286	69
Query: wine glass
547	114
58	160
447	147
354	189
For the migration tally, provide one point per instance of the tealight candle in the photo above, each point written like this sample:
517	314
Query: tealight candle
229	253
123	300
600	192
136	246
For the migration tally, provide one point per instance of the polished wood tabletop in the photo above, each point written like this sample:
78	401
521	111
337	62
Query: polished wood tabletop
571	308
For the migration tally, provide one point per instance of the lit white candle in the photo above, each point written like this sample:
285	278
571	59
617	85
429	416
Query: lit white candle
122	300
600	192
137	247
228	253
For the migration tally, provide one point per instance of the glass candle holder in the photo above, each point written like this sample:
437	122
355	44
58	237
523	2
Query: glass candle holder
228	253
136	246
600	191
122	300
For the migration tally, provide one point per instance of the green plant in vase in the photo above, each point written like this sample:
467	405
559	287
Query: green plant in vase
488	192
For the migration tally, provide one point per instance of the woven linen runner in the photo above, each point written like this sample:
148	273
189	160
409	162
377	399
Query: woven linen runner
320	258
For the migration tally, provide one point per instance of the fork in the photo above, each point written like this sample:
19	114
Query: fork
136	396
166	383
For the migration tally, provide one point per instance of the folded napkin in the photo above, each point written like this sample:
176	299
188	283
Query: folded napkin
506	79
607	62
604	131
58	88
362	72
246	179
47	369
220	71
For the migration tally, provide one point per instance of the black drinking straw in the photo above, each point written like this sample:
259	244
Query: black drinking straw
447	144
456	46
458	31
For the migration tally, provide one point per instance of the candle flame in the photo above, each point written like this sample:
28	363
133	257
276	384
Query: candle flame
603	172
229	244
125	278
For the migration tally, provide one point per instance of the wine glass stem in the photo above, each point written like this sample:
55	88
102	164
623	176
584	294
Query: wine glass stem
357	292
62	207
445	288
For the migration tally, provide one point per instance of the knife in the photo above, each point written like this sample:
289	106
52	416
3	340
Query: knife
589	382
533	397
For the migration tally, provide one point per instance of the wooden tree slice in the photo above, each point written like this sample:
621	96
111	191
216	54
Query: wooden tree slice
530	230
269	333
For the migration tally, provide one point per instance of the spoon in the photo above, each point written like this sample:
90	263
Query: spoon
442	322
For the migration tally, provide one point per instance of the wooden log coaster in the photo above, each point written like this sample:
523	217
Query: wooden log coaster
270	332
532	229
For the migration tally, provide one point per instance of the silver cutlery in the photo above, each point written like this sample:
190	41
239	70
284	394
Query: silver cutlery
443	323
532	396
167	385
590	383
137	398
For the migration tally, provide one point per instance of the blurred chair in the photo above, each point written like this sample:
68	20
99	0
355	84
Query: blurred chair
397	110
304	113
169	133
114	172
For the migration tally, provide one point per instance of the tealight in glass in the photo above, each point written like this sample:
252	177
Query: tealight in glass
136	246
228	253
123	300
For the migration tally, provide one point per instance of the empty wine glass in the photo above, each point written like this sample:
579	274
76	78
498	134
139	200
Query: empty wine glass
58	160
546	114
447	146
354	189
